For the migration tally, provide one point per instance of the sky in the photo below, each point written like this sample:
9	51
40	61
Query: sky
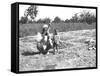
52	12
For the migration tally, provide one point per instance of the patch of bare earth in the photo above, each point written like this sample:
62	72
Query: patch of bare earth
73	52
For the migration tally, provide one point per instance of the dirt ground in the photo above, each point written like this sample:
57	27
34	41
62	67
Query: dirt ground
73	52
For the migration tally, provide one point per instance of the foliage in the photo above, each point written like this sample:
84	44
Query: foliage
57	20
87	17
67	20
23	20
29	15
83	17
45	20
31	12
74	18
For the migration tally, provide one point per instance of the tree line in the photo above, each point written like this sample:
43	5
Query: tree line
31	13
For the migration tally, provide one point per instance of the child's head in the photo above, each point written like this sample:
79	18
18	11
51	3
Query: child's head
49	24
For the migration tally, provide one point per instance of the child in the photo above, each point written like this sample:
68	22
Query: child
55	36
55	40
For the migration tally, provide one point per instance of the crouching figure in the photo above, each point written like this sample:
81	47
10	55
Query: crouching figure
44	42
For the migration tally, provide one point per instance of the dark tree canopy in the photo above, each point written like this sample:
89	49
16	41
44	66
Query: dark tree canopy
57	20
87	17
74	18
45	20
23	20
31	12
84	16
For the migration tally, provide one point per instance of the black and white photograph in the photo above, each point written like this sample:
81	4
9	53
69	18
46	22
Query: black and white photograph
56	37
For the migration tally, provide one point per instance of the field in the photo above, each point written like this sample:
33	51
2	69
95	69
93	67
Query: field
32	29
73	52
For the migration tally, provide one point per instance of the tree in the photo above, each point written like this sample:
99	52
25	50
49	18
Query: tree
23	20
30	21
74	18
31	12
45	20
57	20
40	21
67	20
87	17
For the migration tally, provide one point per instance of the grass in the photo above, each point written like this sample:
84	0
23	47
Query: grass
73	53
32	29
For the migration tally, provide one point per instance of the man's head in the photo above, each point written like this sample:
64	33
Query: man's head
45	26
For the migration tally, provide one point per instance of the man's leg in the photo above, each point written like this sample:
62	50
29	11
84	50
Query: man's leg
51	43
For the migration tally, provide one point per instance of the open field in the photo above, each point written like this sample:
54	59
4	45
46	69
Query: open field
32	29
73	52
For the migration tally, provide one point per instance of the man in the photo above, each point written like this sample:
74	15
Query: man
40	36
46	34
